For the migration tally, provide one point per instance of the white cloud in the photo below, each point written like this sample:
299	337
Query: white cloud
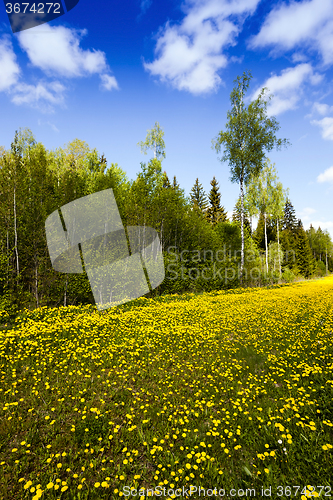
108	82
306	23
297	57
286	87
53	127
56	50
306	213
326	176
188	55
319	223
41	95
145	4
327	127
10	70
321	108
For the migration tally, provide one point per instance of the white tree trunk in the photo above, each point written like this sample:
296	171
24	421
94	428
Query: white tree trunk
242	232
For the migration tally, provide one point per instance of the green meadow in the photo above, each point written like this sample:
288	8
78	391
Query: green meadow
223	391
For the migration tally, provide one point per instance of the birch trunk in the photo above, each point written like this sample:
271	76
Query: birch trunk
242	231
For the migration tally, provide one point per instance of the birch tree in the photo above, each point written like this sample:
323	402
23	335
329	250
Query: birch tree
279	197
249	133
154	140
266	195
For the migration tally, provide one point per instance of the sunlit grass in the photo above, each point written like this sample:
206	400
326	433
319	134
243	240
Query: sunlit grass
225	390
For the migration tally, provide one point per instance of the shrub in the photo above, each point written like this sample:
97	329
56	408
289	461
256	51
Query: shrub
288	275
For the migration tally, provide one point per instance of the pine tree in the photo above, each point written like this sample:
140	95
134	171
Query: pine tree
215	213
198	197
289	219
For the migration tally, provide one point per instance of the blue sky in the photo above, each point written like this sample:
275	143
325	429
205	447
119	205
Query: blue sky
106	71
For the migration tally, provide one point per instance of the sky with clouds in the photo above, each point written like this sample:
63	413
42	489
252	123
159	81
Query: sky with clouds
106	71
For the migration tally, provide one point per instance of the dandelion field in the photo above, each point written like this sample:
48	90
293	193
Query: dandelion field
225	389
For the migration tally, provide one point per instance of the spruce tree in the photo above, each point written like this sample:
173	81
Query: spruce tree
198	197
215	213
166	182
311	232
305	262
175	184
289	219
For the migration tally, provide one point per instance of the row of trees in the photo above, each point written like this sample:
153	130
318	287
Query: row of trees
220	253
279	236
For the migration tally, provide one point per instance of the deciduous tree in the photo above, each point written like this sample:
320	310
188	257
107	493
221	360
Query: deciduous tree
249	133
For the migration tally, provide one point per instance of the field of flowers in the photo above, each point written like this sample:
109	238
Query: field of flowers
221	390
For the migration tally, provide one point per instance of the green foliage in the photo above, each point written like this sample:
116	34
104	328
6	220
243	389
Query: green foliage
289	218
249	134
35	182
273	255
237	215
259	233
288	276
305	262
154	140
215	212
198	197
320	268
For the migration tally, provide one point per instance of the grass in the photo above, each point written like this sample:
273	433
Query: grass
219	390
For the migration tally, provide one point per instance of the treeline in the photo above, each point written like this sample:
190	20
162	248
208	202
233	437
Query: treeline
201	246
